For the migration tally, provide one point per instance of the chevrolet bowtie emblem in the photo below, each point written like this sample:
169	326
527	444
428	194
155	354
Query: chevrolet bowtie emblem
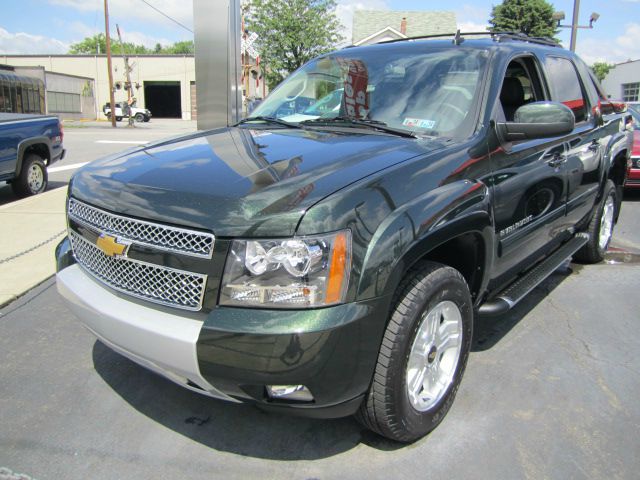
110	246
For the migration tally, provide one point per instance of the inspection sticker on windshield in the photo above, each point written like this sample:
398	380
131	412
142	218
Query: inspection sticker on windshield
419	122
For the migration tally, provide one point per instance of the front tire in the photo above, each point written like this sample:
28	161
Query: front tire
423	355
139	117
600	227
33	177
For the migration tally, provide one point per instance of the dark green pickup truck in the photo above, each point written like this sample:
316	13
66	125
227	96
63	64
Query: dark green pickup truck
333	261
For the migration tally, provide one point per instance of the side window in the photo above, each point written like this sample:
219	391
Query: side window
596	94
521	85
565	86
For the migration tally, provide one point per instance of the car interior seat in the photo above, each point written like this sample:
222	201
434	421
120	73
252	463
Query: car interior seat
511	97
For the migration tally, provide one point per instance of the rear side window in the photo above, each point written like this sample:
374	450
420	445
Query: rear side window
565	86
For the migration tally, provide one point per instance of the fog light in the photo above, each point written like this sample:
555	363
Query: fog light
298	393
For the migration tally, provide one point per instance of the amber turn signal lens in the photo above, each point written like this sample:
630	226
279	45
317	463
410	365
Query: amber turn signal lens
339	270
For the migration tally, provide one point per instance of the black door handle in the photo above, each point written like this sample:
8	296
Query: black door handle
595	146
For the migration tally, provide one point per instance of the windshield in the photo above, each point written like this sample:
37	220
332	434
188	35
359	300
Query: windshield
425	92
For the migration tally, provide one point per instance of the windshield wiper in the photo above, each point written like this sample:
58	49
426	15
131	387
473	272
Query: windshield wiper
356	122
263	118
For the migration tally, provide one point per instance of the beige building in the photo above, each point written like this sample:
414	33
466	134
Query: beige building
165	84
68	96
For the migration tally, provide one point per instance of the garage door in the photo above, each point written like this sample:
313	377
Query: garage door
163	99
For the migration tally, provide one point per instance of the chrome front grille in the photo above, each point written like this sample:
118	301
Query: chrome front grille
155	283
158	236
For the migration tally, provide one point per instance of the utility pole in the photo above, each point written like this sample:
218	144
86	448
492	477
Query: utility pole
559	16
128	75
108	37
574	25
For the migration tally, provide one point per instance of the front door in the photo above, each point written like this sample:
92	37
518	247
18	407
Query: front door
528	178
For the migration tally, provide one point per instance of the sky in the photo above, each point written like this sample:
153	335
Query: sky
50	26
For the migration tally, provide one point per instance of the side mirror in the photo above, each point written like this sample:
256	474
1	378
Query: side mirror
538	120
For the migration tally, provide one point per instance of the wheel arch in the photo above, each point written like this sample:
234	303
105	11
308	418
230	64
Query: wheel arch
460	236
617	173
38	145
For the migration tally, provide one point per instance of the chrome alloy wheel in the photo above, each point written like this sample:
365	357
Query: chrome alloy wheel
606	222
434	355
35	178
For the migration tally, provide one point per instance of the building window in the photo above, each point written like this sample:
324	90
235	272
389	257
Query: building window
630	92
58	102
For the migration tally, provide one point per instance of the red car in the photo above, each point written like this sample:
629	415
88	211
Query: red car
633	178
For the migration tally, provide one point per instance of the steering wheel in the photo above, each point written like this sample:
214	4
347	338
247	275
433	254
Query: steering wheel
457	110
290	98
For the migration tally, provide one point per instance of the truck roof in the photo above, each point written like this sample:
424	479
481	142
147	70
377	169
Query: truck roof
486	40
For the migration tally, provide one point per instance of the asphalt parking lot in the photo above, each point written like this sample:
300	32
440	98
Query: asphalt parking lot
550	391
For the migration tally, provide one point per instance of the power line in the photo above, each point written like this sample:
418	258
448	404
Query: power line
165	15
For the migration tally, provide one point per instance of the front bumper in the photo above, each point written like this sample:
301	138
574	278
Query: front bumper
233	353
159	341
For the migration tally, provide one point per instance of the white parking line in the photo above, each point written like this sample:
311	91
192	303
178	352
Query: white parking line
132	142
62	168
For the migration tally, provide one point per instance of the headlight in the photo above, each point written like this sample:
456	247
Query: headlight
288	273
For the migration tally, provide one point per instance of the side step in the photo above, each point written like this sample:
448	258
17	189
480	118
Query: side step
515	292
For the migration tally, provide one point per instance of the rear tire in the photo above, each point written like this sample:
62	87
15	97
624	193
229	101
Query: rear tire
33	177
600	228
118	119
423	354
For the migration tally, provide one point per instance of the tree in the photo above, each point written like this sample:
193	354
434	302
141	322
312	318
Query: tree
533	17
601	69
95	44
292	32
182	48
98	44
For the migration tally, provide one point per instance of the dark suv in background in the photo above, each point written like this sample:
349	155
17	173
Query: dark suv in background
335	263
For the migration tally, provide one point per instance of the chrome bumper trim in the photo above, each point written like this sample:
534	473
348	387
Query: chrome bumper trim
162	342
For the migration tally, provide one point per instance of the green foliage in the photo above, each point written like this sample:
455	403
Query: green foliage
179	48
90	45
292	32
601	69
533	17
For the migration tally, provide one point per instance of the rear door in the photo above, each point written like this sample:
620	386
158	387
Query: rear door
584	146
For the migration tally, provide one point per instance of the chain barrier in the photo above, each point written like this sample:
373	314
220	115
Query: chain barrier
35	247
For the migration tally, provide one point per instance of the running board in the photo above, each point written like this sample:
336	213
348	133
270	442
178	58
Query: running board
515	292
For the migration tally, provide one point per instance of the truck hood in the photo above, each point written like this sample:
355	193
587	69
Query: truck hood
239	181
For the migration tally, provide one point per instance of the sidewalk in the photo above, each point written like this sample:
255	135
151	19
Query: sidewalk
31	229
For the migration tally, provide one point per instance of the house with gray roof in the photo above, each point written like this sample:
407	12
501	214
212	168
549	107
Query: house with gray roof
372	26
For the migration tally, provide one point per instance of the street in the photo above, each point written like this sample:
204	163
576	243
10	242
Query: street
550	390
